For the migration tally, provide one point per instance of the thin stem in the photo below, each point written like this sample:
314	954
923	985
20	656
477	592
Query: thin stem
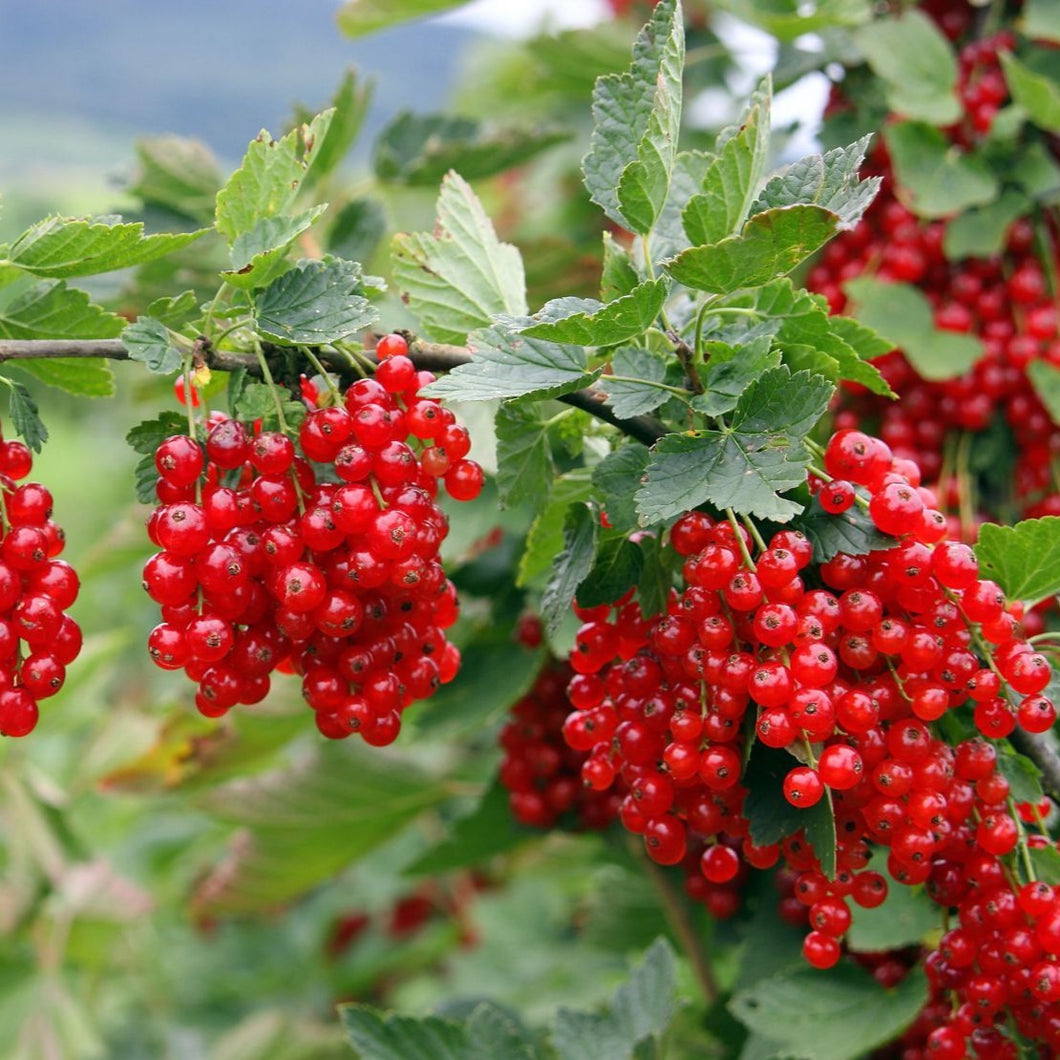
1024	849
311	357
679	391
753	531
738	533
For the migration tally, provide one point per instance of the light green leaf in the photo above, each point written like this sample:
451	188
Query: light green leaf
1023	559
51	310
788	20
375	1036
838	1014
1038	95
770	244
25	416
617	568
639	1012
174	311
686	181
939	179
748	464
1041	20
830	180
258	255
730	370
865	341
357	18
266	183
505	364
349	103
981	232
917	65
316	302
460	276
62	247
1045	378
303	822
524	458
148	342
618	477
906	917
83	376
580	529
419	149
587	322
732	181
619	276
635	394
1038	173
902	313
544	540
636	121
177	174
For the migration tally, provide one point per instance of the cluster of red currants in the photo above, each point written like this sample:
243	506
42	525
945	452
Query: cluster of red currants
38	640
324	564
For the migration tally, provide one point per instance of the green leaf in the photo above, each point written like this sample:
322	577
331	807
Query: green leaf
1045	378
906	917
258	255
25	416
866	342
1038	173
175	311
636	120
851	532
419	149
1041	20
731	182
1038	95
62	247
257	401
177	174
146	437
524	457
1023	559
545	537
617	478
686	181
903	314
301	823
729	371
917	65
617	568
51	310
829	180
771	243
357	230
746	465
147	341
391	1037
638	1014
653	590
587	322
460	276
269	178
619	276
1023	775
350	104
505	364
1046	862
580	529
83	376
939	179
790	19
635	394
357	18
981	232
838	1014
314	303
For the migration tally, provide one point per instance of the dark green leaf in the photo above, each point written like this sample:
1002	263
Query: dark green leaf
746	465
1041	20
902	313
580	529
587	322
829	180
640	1011
1038	95
1046	862
981	232
1023	776
619	276
729	371
460	276
419	149
392	1037
634	394
545	538
690	170
83	376
267	181
852	532
906	917
917	65
350	106
63	247
51	310
178	175
838	1014
259	254
771	243
1023	559
636	120
25	417
617	568
316	302
1045	378
617	477
653	590
357	230
145	476
729	187
147	341
524	458
146	437
505	364
356	18
940	179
